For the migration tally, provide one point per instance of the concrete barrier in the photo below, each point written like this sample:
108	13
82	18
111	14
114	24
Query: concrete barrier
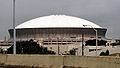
3	59
92	62
54	61
46	61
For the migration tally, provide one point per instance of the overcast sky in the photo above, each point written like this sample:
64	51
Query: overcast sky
105	13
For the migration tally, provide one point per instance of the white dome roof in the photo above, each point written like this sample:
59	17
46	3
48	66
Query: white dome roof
57	21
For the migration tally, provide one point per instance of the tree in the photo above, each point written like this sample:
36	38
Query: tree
104	53
72	52
29	47
1	50
93	42
107	52
117	43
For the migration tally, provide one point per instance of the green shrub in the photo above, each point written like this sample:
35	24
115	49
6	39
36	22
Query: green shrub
72	52
29	47
104	53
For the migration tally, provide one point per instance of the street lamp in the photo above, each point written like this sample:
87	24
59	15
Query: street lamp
95	37
14	31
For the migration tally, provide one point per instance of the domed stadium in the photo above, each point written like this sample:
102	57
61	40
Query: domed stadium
53	28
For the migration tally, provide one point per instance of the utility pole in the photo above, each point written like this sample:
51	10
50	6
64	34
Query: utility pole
96	40
82	43
58	46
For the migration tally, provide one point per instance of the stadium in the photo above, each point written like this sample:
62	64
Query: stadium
57	30
57	26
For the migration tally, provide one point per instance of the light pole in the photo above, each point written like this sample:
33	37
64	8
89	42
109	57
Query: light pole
14	31
95	36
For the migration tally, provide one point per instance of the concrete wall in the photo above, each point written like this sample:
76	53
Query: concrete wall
54	61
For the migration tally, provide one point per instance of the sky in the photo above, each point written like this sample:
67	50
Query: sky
105	13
